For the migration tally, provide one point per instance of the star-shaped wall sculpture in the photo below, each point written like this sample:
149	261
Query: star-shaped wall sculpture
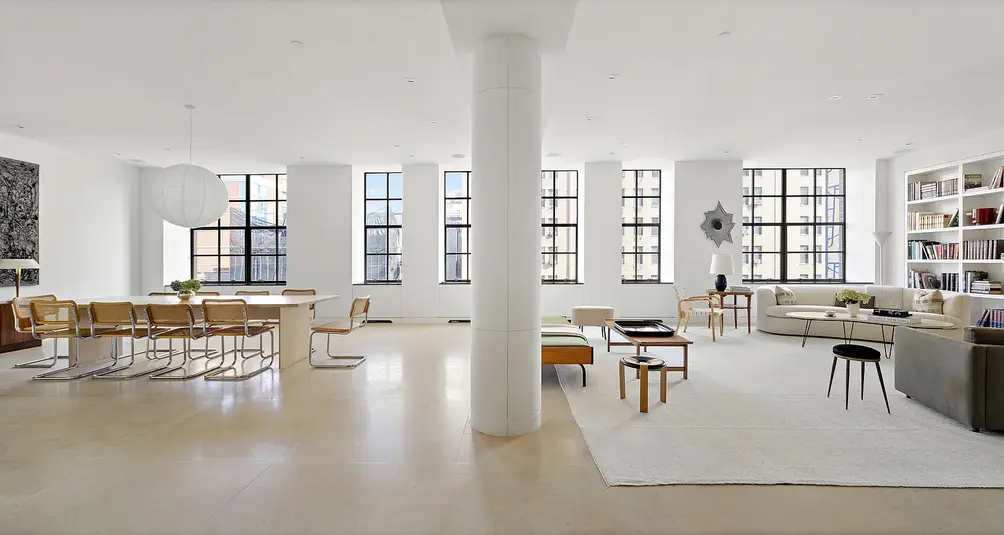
718	225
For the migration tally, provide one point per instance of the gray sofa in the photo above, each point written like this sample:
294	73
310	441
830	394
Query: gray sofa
963	379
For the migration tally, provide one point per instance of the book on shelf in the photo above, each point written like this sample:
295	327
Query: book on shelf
983	216
923	279
972	276
932	190
985	287
931	250
982	249
998	179
992	317
930	220
950	282
972	181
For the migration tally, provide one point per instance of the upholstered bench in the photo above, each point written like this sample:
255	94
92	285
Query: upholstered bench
592	316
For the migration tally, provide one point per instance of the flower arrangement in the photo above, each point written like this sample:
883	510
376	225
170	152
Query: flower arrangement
848	296
190	285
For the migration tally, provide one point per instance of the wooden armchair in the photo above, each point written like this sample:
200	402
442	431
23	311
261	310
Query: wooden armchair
699	305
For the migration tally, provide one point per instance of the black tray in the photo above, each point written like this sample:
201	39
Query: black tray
642	328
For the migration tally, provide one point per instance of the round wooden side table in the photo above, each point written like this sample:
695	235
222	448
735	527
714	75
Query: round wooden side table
644	364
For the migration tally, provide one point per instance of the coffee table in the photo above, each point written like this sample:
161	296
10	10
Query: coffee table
845	319
642	342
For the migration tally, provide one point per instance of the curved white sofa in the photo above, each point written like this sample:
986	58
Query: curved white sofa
770	316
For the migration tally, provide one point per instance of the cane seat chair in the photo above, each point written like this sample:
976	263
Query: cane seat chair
252	292
124	321
228	318
22	325
61	319
178	322
699	305
358	315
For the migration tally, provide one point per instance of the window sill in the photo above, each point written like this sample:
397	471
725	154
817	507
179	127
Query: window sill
455	283
562	283
644	282
377	283
208	284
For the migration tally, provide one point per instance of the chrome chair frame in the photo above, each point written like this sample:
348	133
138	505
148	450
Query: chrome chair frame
242	353
49	362
186	349
73	361
355	360
113	374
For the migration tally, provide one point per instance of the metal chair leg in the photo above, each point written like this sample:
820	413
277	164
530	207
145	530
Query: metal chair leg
44	362
169	373
145	367
75	371
242	353
352	360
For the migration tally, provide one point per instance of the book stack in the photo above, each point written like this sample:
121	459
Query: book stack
950	282
982	249
927	220
998	180
923	279
973	180
932	250
972	276
986	216
992	317
932	190
893	320
740	289
986	287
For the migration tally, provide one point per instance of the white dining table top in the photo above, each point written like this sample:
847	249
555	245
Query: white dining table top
279	301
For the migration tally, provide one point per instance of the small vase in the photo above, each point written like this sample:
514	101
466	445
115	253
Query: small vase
853	309
185	295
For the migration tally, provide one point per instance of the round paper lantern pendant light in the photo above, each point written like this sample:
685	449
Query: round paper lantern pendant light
187	195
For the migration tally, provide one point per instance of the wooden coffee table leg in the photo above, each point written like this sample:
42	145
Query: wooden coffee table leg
643	402
620	365
662	384
685	362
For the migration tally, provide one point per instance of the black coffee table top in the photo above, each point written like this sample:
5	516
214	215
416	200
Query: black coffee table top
635	362
856	352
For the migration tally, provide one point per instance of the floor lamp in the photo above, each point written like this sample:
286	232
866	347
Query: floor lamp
17	264
880	238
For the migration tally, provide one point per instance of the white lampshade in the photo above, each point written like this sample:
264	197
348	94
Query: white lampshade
189	196
721	264
18	263
880	237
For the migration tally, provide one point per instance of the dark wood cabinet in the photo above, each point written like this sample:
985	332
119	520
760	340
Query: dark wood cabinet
11	340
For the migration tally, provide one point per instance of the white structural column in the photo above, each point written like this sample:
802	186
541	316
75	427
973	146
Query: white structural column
505	236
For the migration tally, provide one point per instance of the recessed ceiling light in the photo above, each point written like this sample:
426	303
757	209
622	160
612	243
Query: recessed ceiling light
411	155
19	126
409	80
296	42
553	154
118	154
624	143
397	146
858	140
726	33
874	96
836	97
459	156
611	154
908	143
612	76
301	157
134	160
589	118
167	149
726	152
433	122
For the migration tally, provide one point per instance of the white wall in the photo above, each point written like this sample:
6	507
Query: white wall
860	223
88	213
699	186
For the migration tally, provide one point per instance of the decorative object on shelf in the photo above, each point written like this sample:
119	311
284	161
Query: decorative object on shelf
187	289
973	180
188	195
19	224
718	225
17	264
852	299
721	265
880	236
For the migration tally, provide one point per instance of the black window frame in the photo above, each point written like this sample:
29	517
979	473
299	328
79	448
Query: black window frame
281	236
386	226
817	200
447	226
553	225
638	228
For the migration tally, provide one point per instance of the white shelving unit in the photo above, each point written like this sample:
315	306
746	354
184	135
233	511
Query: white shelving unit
964	202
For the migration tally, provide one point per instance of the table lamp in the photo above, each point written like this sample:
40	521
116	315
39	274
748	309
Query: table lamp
17	264
721	265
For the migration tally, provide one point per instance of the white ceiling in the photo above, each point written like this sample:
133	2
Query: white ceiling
113	76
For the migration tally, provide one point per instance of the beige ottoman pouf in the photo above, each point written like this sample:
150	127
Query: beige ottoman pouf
592	316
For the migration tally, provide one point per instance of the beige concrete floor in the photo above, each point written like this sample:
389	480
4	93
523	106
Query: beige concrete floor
384	448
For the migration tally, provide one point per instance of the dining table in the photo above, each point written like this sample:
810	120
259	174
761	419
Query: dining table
294	313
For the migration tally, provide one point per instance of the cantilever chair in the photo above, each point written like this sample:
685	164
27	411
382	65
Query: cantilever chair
177	322
685	310
61	319
308	291
252	292
358	314
121	321
22	324
228	318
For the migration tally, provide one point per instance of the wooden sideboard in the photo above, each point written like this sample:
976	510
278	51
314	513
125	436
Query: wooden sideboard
11	340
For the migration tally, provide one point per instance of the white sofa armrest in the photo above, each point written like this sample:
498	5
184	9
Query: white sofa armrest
957	306
765	297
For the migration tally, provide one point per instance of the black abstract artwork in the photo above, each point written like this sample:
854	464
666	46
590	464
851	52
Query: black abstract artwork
18	217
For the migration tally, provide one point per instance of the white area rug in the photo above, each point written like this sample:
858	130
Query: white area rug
754	411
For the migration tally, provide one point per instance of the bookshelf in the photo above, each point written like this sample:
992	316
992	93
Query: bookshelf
949	179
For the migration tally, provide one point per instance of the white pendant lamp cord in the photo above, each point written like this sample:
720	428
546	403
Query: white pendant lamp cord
190	110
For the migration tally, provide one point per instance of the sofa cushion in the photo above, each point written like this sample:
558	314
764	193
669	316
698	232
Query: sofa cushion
956	322
928	301
784	295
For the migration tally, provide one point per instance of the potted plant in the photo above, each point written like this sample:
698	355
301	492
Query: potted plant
852	299
186	289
